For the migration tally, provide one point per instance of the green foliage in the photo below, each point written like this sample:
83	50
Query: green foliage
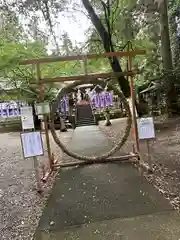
128	20
140	24
18	77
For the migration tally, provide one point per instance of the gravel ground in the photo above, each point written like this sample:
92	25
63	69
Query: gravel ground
165	153
20	205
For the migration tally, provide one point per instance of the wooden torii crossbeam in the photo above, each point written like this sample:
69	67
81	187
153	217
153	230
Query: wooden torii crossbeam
82	57
84	77
39	80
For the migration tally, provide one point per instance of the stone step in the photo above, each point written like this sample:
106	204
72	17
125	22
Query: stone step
85	119
82	122
85	124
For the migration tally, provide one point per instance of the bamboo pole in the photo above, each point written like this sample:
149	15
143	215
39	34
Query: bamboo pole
134	119
120	159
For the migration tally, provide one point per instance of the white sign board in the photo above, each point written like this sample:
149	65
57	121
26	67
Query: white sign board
40	117
42	108
146	128
32	144
27	119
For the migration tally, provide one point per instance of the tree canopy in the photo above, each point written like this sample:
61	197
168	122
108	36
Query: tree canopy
30	29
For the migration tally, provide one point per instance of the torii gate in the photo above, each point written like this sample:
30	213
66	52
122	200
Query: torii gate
39	81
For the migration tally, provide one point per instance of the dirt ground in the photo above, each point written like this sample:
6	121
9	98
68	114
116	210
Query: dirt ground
165	155
20	204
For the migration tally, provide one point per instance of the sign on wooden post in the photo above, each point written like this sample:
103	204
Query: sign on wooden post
146	128
32	144
32	147
146	132
42	108
27	119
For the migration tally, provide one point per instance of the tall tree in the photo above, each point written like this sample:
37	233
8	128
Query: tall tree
10	28
67	46
167	57
105	33
174	17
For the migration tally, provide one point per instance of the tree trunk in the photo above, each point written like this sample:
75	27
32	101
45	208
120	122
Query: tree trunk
167	57
165	39
175	39
106	40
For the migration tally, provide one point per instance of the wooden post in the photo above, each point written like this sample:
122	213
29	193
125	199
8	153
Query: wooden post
39	189
85	65
149	153
133	104
35	160
41	89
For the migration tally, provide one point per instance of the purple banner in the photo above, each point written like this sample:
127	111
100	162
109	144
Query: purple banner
64	105
102	100
8	109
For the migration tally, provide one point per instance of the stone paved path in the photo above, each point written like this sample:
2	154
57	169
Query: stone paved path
109	201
